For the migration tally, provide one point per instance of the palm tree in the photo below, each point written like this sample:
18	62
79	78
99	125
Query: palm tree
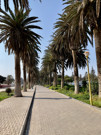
54	75
89	12
43	74
62	40
80	62
32	62
48	63
14	28
56	61
17	3
35	76
73	37
24	76
61	55
32	50
68	55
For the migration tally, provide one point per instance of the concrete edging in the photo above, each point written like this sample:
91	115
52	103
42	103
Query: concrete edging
27	114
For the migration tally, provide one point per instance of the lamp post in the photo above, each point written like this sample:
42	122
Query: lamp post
90	93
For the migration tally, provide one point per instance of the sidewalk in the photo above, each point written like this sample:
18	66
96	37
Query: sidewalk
56	114
13	112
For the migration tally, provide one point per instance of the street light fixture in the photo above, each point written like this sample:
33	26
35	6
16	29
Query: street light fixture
90	93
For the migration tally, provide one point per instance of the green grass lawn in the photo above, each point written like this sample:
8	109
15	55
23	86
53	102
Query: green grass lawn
82	96
4	95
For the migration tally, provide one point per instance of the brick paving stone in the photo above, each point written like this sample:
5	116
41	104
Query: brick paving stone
13	112
56	114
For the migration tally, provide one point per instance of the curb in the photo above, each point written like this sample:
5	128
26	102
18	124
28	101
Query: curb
22	131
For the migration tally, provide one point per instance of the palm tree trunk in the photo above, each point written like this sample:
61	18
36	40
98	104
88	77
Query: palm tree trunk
76	79
17	92
97	36
50	78
54	79
29	79
62	76
24	76
55	76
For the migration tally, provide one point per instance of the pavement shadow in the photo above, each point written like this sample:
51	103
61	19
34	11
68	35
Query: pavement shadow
27	96
55	98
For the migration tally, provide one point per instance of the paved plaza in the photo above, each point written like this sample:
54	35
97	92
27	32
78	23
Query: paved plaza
13	112
56	114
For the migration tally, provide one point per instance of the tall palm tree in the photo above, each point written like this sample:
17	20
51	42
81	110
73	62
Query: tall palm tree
31	64
48	63
17	3
24	75
62	40
67	53
56	62
89	12
73	37
54	75
16	33
33	48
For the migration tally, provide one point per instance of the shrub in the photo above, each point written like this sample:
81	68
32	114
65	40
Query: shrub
71	88
59	86
66	87
47	86
82	89
84	83
8	90
53	88
94	87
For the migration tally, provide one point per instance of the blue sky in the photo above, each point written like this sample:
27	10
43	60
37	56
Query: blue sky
47	11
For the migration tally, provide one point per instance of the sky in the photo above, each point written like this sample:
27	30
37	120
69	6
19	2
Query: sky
47	11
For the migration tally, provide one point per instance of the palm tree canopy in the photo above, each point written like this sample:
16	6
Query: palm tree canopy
16	30
81	59
17	3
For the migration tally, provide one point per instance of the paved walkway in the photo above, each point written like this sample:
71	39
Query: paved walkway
56	114
13	112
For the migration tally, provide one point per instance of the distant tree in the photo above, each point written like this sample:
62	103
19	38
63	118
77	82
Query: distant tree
9	79
85	76
93	75
2	79
94	81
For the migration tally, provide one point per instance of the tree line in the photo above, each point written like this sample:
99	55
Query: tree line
75	28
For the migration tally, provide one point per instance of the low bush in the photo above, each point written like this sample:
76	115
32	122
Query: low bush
8	90
59	86
47	86
71	88
53	88
66	87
